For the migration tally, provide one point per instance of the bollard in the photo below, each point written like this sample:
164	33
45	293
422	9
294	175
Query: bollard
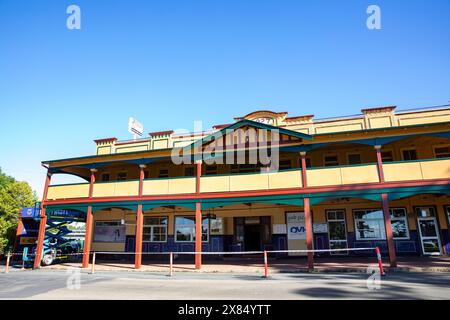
171	263
380	263
93	263
8	256
266	268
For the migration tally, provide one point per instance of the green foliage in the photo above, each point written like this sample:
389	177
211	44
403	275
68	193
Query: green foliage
13	196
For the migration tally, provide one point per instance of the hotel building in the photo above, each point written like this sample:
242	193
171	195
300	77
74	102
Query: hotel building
379	178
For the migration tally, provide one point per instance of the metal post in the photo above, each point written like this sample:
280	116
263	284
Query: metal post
93	263
380	262
7	262
266	267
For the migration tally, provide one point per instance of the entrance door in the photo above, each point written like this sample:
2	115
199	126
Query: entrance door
428	230
337	231
252	238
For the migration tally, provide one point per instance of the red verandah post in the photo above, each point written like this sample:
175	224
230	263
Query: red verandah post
170	263
380	262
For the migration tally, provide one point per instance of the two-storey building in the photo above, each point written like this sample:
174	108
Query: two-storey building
379	178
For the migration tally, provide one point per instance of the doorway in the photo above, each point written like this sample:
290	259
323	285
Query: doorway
337	231
428	230
252	237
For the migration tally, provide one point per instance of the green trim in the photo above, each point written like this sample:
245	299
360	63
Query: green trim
68	184
418	160
80	207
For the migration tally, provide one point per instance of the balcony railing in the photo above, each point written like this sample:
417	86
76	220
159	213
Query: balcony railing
316	177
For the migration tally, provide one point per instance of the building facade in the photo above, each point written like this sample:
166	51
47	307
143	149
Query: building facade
380	178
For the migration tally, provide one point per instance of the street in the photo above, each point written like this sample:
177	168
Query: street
60	285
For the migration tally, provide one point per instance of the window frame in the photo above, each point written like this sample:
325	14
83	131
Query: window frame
330	155
355	221
152	226
105	174
192	240
405	218
119	178
387	151
403	150
353	154
163	176
440	146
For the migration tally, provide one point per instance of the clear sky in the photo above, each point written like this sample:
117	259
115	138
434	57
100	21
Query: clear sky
169	63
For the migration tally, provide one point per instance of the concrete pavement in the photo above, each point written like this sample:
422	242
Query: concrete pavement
60	285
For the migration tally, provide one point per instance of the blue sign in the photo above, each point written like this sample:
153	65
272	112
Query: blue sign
30	212
67	213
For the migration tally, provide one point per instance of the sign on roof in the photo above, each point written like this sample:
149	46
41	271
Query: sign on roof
135	127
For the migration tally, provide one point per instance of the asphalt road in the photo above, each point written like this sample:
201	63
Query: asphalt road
52	284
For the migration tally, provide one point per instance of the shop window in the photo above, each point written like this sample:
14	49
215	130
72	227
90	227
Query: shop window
155	229
109	231
189	172
354	158
122	176
399	222
105	177
386	156
442	152
185	229
369	224
163	173
331	161
409	154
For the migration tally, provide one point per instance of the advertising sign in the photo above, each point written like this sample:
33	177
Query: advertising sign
135	127
296	232
29	212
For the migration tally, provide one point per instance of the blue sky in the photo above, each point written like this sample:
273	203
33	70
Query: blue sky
169	63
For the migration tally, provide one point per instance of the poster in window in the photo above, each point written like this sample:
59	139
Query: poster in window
109	233
216	226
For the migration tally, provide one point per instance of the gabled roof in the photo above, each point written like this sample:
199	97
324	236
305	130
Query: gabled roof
246	122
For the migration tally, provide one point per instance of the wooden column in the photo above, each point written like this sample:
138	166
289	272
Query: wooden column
198	218
303	167
42	224
139	223
388	227
379	164
309	232
89	222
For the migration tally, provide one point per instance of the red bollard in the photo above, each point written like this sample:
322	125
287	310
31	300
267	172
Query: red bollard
380	263
266	267
171	263
93	263
7	262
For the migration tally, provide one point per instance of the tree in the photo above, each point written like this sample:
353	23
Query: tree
13	196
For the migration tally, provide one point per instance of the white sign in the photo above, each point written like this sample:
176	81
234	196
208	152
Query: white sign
265	120
320	228
296	229
135	127
279	229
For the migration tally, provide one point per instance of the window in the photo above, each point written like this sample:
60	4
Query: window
163	173
425	212
369	224
185	229
399	223
386	156
442	152
337	233
244	168
146	174
122	176
105	177
109	231
155	229
354	158
331	161
285	164
210	170
189	172
410	154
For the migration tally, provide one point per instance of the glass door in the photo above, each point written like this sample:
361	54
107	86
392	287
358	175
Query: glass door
337	231
428	230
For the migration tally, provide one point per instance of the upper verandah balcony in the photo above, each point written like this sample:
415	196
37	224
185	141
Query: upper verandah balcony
324	160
